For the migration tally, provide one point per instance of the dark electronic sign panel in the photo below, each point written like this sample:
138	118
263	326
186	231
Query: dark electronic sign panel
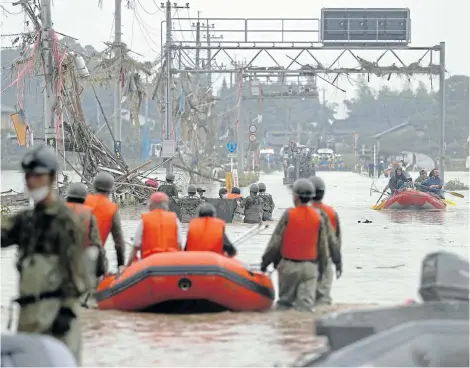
368	26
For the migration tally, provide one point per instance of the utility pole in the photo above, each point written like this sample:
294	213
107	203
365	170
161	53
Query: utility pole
46	49
117	86
442	98
198	40
169	84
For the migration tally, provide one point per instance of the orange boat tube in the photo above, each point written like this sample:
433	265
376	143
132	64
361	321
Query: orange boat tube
186	282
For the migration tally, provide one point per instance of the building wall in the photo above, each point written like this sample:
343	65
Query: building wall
5	121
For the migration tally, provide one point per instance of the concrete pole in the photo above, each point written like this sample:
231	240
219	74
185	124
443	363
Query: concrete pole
198	40
297	154
46	48
169	95
442	103
209	55
117	83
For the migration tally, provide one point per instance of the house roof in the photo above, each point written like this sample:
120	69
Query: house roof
7	109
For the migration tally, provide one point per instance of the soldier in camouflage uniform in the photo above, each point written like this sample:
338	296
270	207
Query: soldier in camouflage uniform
190	204
253	206
169	187
299	255
200	192
268	203
53	264
334	243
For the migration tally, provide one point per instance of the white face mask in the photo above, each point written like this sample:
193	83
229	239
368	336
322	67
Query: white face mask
39	194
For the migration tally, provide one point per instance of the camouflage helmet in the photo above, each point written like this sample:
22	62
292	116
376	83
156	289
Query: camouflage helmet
303	188
103	181
40	160
254	188
223	191
77	190
206	210
191	189
262	187
170	177
318	183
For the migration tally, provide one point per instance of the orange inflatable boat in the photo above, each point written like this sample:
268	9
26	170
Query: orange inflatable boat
186	282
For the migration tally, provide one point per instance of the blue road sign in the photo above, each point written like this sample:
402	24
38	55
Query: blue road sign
231	147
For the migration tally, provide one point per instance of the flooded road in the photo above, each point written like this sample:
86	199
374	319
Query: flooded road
381	265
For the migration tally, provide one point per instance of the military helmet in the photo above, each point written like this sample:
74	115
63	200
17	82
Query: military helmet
304	188
206	210
223	191
318	183
254	188
170	177
40	160
191	189
261	187
235	190
77	190
103	181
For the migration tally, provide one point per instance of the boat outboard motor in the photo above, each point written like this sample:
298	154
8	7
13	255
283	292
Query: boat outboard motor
445	292
31	350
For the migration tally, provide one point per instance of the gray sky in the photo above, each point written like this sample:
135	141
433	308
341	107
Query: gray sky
432	21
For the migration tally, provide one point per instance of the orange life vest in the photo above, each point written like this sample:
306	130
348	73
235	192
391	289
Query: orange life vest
330	212
160	232
104	211
84	213
206	234
300	241
233	196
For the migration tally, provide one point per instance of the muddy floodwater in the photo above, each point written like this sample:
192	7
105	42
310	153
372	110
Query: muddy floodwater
381	265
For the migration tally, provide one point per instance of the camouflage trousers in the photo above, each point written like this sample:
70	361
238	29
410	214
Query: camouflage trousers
297	285
324	286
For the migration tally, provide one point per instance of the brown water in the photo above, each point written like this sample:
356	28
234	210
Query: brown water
381	258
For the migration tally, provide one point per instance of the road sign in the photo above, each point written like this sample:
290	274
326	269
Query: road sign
235	177
232	155
231	147
52	143
252	137
117	149
365	26
228	182
252	128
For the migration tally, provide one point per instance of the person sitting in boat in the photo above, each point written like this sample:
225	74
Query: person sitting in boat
434	183
399	181
158	231
207	233
423	176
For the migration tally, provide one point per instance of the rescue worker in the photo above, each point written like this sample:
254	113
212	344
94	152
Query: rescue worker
234	194
268	203
52	261
200	192
398	181
107	215
423	176
223	193
169	187
190	204
434	184
253	206
158	231
330	216
76	196
298	249
207	233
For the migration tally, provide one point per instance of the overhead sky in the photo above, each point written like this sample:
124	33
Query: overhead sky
432	21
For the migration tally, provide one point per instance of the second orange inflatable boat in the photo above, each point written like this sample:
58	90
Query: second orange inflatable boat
186	282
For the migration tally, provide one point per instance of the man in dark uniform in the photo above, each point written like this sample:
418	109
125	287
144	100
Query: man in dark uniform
253	206
201	191
268	203
169	187
190	204
52	262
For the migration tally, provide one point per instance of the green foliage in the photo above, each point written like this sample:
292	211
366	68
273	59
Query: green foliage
246	179
456	184
374	112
